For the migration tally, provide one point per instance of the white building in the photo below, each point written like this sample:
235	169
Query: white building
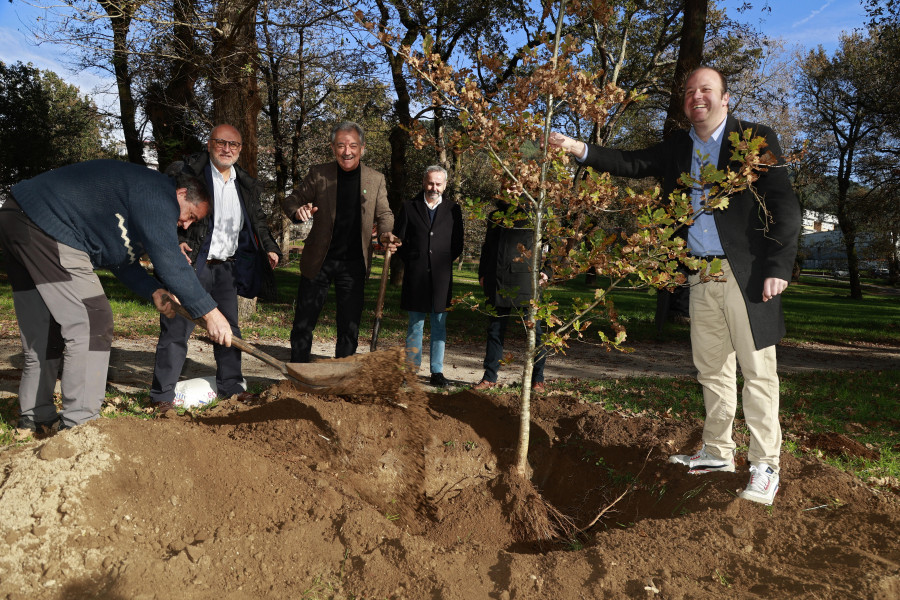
815	221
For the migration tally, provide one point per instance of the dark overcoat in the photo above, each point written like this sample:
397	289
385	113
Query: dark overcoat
504	264
254	240
755	250
428	251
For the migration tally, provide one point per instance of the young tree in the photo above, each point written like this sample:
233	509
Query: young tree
511	125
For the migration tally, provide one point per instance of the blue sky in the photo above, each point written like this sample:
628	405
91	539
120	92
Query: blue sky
17	44
800	22
807	23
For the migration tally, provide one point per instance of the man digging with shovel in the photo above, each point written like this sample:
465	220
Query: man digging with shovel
55	230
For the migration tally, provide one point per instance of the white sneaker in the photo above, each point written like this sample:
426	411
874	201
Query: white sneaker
703	462
763	484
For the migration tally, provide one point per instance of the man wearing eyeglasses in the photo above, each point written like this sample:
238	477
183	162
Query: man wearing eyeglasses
228	251
346	198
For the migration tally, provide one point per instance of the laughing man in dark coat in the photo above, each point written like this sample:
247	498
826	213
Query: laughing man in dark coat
431	229
737	320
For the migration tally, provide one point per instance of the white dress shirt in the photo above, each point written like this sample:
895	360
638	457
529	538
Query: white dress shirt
227	216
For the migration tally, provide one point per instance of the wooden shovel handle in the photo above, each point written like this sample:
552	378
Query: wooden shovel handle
379	306
235	341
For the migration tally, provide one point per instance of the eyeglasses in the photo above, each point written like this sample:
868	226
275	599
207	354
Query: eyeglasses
222	143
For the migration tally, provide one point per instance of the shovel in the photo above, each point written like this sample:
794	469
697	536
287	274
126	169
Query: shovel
379	306
326	377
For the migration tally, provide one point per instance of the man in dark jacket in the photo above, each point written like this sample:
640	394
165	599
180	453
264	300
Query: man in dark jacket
738	320
55	230
227	251
431	230
504	273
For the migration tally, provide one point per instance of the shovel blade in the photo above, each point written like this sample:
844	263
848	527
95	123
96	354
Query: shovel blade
320	376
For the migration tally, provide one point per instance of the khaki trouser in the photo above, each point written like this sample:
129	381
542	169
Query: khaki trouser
720	338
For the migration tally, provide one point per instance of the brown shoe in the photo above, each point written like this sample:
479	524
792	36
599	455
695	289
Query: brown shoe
538	387
484	384
161	408
246	397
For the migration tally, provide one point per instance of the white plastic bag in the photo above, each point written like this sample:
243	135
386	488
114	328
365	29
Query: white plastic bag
198	391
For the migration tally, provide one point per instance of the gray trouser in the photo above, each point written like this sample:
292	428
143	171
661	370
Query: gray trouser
63	315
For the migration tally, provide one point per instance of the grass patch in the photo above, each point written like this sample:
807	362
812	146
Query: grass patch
816	310
821	310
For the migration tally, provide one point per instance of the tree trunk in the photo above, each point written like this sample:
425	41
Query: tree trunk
690	56
233	82
246	308
852	264
120	15
399	136
170	98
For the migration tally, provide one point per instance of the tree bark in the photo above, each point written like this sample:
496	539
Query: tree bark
690	56
120	15
234	83
170	99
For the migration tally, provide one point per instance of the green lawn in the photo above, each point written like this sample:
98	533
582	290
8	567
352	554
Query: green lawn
816	310
863	405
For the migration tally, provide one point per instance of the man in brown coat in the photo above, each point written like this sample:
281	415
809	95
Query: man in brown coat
346	198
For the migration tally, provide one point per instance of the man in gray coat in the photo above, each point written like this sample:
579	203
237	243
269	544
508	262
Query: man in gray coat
737	319
431	229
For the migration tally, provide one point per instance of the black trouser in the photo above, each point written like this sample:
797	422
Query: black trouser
349	280
172	347
496	334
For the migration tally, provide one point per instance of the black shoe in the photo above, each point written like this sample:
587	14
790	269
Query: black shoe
438	380
43	427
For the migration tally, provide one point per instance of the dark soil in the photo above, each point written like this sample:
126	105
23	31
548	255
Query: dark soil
406	495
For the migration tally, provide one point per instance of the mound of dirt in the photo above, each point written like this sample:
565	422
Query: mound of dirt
399	496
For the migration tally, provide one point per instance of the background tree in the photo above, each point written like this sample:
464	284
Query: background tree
100	37
838	106
45	123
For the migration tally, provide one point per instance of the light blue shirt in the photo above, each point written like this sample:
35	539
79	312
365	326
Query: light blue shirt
703	236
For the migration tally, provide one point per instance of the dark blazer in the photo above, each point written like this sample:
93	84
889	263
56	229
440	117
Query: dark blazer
428	251
320	187
254	240
754	254
504	267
